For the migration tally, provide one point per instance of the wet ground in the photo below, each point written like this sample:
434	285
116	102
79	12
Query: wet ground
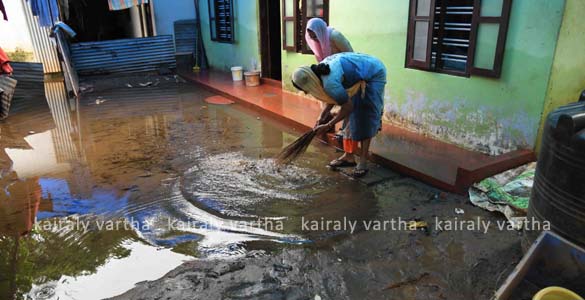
131	182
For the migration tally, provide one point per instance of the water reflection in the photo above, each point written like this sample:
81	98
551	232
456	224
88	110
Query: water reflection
19	204
114	277
147	158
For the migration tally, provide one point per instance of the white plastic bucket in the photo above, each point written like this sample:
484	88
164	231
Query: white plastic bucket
237	73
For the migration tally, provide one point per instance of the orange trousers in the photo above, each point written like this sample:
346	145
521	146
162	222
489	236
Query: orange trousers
350	146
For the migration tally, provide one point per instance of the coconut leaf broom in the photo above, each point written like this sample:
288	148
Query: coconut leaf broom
296	149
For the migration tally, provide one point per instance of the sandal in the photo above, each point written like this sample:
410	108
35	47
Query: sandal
359	173
340	163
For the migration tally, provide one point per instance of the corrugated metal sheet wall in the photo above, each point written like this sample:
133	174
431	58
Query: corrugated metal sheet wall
44	48
30	89
65	148
7	85
124	56
186	36
28	72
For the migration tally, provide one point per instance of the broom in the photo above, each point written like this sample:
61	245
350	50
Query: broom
296	149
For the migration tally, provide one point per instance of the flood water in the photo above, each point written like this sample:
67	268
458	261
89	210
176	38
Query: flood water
125	184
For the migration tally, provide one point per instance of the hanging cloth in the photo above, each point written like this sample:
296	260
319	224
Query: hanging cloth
34	7
46	10
5	67
124	4
3	10
65	28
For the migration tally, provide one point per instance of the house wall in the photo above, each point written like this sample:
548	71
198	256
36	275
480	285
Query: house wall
166	12
245	51
567	79
489	115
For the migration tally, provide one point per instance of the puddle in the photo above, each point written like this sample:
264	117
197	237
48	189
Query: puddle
248	183
136	262
130	186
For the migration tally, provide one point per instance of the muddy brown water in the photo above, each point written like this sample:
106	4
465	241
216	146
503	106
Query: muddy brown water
126	184
155	169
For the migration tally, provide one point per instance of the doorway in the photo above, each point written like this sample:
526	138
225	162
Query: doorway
95	22
270	37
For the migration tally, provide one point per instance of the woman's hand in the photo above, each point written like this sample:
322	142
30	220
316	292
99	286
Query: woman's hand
323	129
325	115
343	113
323	119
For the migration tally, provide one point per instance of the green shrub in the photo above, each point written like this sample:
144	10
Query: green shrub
20	55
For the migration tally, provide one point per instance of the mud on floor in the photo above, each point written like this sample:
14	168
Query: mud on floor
147	151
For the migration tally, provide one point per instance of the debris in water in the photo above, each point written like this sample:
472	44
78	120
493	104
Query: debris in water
86	89
415	225
131	188
409	281
459	211
99	101
145	84
129	85
179	79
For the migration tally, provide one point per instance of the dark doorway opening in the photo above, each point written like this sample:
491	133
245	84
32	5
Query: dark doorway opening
93	21
270	37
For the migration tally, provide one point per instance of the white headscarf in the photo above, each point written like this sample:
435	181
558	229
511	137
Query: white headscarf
309	82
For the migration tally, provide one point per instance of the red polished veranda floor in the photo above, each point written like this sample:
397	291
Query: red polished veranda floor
443	165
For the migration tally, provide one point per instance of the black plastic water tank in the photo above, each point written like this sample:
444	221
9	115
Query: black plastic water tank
559	187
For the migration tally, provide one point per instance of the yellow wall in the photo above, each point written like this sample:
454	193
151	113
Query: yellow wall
568	71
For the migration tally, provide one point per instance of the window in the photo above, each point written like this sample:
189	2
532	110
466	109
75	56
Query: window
459	37
221	20
295	15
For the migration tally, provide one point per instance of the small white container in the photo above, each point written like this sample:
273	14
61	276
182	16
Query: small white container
237	73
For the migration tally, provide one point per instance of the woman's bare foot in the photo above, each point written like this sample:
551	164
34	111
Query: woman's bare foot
347	157
347	160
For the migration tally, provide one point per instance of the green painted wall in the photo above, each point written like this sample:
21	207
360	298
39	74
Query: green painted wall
568	71
245	52
490	115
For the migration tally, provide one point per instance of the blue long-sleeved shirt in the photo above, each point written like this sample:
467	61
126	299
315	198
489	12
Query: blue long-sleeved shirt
347	69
